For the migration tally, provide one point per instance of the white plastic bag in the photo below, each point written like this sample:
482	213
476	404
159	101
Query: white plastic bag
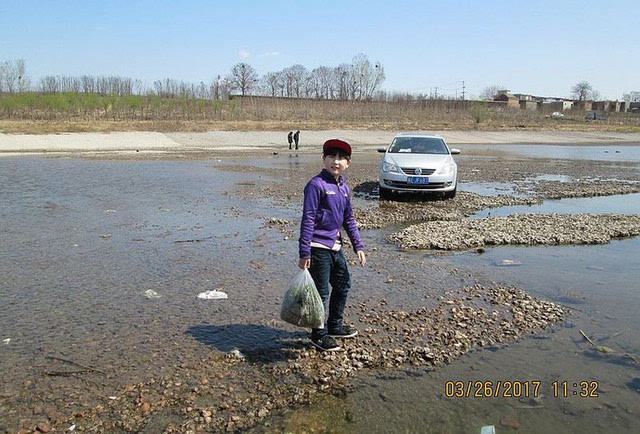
302	305
213	294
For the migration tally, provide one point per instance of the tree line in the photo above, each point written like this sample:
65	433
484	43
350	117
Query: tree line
358	80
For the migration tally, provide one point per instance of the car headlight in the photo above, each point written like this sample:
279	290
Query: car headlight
446	169
388	166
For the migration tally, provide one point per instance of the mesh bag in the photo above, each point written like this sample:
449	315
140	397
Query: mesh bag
302	305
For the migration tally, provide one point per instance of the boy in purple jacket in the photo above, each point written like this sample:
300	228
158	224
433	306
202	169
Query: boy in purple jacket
327	208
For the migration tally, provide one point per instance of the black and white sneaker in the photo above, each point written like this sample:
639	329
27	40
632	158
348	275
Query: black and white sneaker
345	332
326	343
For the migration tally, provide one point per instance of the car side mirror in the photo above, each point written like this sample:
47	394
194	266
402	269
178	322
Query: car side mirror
382	150
455	151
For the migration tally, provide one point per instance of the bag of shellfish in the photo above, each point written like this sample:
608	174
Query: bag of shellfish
302	305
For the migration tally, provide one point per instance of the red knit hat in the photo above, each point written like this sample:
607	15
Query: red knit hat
336	144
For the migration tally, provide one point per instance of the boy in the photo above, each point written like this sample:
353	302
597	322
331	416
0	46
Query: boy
327	208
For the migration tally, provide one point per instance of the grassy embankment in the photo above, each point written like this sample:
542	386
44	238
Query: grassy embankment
33	113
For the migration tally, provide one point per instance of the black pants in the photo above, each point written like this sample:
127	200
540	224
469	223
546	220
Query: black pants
329	267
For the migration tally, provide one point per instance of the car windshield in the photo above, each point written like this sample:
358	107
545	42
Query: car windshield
418	145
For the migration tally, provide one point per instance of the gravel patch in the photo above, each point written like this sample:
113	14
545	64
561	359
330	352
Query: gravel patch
527	229
464	204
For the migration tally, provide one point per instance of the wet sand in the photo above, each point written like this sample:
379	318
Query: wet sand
99	232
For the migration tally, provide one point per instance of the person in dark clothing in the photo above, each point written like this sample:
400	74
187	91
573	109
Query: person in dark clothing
290	139
296	138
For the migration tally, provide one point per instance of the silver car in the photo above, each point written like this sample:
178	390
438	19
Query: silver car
418	163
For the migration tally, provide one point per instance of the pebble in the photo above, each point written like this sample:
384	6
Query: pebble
510	422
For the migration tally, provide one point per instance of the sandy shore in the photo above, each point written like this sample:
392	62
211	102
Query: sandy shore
11	144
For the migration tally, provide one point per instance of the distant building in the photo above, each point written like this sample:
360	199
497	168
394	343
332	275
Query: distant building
528	104
506	96
550	106
634	96
525	97
583	105
615	106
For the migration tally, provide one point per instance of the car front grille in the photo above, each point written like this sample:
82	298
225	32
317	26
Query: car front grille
412	171
400	184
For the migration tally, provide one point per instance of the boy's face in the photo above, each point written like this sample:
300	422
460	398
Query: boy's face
336	162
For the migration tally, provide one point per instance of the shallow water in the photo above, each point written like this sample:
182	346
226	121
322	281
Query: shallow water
630	153
617	204
81	241
487	188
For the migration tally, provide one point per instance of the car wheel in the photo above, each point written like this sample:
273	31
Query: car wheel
385	193
451	194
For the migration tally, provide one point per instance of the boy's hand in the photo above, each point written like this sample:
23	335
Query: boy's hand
304	263
362	257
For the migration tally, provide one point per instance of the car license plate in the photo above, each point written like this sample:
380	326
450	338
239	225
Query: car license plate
417	180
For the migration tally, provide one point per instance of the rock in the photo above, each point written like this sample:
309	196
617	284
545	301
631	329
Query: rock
510	422
43	427
145	407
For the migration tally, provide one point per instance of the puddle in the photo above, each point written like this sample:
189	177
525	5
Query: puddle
549	177
617	204
488	188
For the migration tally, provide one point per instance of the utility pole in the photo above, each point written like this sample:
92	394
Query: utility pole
436	94
463	89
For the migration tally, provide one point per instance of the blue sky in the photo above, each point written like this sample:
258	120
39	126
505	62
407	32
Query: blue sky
539	47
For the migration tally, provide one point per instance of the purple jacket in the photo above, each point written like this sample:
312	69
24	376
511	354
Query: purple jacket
327	208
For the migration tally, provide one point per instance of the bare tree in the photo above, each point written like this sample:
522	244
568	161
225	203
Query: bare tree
341	75
321	80
243	77
365	76
288	81
272	83
582	91
295	77
490	92
11	75
23	80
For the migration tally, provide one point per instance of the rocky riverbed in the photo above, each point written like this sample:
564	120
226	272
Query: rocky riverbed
233	392
187	381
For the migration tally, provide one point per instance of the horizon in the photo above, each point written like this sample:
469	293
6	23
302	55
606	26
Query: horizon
542	49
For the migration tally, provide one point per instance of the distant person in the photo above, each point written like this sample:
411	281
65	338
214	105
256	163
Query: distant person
296	138
290	139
